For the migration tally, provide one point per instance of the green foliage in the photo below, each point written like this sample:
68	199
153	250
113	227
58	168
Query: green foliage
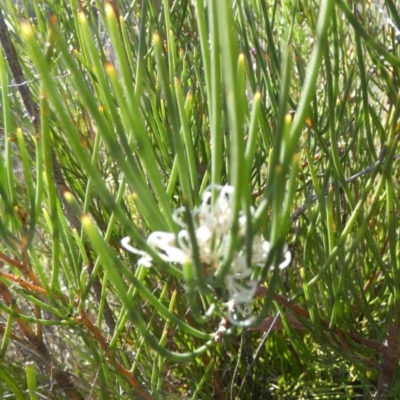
136	108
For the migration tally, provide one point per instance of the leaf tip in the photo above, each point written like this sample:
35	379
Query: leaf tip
26	29
86	222
108	8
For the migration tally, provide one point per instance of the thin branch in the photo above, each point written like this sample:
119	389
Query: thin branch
391	357
372	344
301	210
16	70
22	266
33	111
108	356
37	78
35	341
312	199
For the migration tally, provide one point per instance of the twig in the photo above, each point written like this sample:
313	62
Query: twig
391	357
255	356
59	375
33	113
36	78
16	70
97	287
41	349
372	344
296	215
59	180
22	266
37	288
127	374
388	19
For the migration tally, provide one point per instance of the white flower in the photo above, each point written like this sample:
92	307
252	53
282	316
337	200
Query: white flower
212	223
217	216
260	250
163	243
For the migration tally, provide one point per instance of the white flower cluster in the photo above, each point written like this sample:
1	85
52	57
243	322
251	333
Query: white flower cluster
212	223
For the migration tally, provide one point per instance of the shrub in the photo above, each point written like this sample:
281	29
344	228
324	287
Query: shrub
199	200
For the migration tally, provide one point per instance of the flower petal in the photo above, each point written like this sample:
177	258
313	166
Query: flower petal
125	244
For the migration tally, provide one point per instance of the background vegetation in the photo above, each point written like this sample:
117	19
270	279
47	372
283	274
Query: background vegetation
115	114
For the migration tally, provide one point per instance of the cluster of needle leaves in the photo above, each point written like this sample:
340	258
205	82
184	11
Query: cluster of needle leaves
115	114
